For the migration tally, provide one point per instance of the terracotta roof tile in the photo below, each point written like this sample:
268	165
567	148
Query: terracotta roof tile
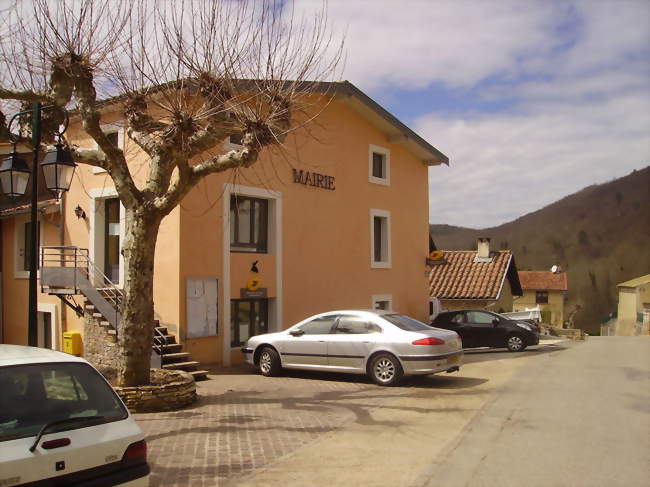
462	278
543	280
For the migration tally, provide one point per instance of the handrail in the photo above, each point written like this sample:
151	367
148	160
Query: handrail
78	258
157	339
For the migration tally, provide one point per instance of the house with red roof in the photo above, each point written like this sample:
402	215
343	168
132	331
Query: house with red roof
546	289
474	279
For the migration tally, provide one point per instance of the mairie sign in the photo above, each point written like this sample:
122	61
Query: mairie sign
313	179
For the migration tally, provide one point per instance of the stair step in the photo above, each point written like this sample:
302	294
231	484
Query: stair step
175	357
104	323
186	366
199	374
162	329
98	315
89	307
112	331
172	347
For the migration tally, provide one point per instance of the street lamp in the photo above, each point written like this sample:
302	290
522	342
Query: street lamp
58	168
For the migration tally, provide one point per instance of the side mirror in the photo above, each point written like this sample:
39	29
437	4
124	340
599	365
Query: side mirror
495	321
296	333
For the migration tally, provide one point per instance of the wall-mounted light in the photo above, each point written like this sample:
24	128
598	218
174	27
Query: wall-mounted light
80	212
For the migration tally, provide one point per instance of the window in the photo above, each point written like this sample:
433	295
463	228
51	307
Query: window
112	242
319	326
541	297
382	302
248	224
248	317
378	165
480	318
115	134
380	252
406	322
35	394
354	325
457	318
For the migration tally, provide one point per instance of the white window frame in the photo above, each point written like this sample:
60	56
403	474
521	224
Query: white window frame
55	331
274	246
110	128
96	225
386	153
19	245
376	298
387	263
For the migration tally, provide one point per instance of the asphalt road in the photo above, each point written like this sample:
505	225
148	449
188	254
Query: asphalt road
576	418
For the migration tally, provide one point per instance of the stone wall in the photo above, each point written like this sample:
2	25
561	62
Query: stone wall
100	347
169	390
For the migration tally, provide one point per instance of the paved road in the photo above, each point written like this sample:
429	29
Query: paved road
579	418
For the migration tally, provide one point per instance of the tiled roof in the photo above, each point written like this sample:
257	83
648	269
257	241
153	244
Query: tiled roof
543	280
639	281
462	278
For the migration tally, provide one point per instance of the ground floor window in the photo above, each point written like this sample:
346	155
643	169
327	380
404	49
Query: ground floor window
248	317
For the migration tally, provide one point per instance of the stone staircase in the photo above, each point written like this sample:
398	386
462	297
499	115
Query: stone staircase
67	271
171	355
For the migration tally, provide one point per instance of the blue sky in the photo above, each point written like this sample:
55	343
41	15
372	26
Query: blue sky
531	100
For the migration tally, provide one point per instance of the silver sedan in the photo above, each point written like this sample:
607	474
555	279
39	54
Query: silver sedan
383	344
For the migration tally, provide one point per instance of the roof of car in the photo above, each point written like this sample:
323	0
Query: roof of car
20	355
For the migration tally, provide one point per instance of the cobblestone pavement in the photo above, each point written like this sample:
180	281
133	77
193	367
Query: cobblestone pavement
242	421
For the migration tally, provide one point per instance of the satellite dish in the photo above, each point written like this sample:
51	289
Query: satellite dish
554	269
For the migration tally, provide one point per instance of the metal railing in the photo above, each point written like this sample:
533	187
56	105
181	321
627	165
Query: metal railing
70	268
159	342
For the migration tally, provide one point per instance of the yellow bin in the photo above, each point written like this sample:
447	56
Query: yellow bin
72	343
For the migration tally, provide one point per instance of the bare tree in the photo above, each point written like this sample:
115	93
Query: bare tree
187	75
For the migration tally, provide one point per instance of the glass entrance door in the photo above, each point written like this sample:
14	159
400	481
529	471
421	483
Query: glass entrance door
112	239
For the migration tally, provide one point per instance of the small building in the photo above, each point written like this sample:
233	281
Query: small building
480	279
634	307
546	289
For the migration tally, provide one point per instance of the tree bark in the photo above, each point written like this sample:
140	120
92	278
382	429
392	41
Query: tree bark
135	334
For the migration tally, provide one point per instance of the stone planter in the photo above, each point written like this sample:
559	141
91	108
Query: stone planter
168	390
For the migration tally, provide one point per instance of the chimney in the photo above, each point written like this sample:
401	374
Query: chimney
483	249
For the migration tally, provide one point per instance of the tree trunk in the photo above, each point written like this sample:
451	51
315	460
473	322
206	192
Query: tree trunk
135	332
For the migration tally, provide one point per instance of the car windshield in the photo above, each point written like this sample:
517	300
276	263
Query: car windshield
405	322
36	394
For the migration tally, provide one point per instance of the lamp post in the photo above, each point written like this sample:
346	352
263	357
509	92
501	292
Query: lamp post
58	169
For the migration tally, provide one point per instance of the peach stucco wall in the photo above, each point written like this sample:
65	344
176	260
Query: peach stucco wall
324	258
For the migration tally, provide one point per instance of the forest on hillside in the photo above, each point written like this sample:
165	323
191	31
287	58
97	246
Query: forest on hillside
599	235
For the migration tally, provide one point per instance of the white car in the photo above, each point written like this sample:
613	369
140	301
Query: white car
61	423
382	344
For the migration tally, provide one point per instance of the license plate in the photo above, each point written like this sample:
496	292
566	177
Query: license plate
452	360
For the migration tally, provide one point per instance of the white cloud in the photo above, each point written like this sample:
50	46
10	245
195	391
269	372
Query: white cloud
506	165
575	74
414	43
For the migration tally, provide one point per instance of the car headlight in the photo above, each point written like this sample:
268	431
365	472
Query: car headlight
525	326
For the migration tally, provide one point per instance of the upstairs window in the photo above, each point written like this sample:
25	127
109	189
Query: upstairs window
541	297
378	165
248	224
380	251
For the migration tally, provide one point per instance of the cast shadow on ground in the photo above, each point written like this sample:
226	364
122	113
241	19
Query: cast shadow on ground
474	355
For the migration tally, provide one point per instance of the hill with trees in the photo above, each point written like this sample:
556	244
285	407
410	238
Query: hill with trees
600	236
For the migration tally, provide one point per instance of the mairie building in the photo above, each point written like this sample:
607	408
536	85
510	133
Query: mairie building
338	220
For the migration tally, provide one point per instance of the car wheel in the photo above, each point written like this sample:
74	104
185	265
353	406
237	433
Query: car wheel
385	370
269	362
515	343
